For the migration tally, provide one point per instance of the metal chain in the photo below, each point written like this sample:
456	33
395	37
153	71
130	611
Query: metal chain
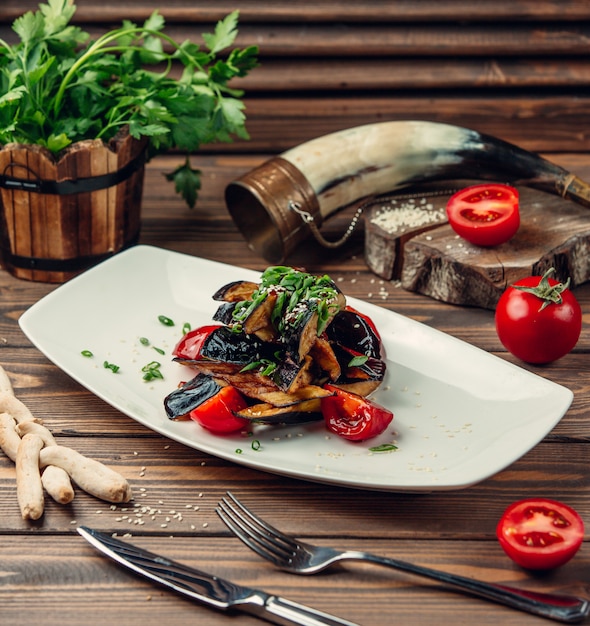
309	219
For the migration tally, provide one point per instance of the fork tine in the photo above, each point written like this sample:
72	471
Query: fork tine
241	534
261	537
271	531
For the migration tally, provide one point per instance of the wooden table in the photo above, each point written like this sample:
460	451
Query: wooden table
50	576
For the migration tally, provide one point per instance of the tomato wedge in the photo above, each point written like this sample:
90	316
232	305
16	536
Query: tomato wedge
539	533
485	215
217	413
353	417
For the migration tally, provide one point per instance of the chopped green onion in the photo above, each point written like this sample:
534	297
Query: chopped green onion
186	327
111	366
384	447
238	450
87	353
256	445
159	350
361	359
267	367
298	294
165	320
152	371
144	341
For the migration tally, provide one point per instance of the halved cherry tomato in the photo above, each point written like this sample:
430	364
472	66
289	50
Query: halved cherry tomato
485	215
217	413
538	319
189	347
540	533
353	417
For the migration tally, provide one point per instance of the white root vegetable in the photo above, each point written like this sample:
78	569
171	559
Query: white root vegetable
9	438
56	480
57	483
5	384
90	475
10	404
32	447
29	488
35	428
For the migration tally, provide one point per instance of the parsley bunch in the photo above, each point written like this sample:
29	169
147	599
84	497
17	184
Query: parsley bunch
58	87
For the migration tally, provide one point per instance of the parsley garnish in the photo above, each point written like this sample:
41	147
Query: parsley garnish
58	87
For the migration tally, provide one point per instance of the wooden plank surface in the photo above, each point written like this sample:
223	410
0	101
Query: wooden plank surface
116	595
51	576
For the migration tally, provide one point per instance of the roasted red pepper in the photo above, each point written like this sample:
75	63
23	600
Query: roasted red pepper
191	345
217	413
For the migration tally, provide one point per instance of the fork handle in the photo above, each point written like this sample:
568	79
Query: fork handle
562	608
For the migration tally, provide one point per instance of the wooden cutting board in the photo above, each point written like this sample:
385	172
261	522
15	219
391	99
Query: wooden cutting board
426	255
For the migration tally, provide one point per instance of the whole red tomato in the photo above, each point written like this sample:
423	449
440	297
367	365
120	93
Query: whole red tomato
353	417
539	533
538	319
485	215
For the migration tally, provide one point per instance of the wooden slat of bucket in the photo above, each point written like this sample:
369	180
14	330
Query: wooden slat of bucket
7	223
76	208
102	221
42	167
56	245
129	192
19	215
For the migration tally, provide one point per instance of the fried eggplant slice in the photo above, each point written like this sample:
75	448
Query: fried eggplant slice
290	374
264	413
282	399
361	387
351	329
259	319
180	402
236	291
325	359
225	313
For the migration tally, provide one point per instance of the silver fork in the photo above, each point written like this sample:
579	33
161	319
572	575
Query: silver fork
298	557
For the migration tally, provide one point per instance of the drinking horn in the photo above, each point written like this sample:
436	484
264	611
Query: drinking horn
321	176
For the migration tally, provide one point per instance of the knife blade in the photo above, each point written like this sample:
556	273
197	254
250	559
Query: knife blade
207	588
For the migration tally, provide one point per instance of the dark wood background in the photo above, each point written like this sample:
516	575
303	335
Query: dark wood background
518	69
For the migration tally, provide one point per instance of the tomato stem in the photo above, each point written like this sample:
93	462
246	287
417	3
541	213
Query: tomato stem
549	294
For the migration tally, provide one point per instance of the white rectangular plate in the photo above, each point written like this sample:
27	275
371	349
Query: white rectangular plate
461	414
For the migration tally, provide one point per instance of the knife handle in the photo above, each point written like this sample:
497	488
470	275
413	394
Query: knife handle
288	612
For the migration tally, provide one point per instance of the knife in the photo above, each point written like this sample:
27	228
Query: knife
206	588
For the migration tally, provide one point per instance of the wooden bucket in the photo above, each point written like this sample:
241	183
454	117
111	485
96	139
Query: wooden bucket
60	217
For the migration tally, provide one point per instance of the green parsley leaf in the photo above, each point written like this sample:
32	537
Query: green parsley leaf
225	34
187	182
